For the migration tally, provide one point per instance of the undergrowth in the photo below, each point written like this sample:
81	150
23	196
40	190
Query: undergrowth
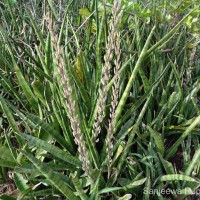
99	100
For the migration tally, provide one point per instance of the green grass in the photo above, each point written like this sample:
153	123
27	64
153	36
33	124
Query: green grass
156	122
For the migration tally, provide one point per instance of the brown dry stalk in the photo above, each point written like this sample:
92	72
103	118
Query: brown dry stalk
114	103
70	104
101	102
110	46
191	62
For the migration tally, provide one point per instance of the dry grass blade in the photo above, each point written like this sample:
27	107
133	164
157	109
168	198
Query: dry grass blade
110	46
70	104
115	87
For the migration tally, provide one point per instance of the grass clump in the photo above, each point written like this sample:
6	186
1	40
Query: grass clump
99	100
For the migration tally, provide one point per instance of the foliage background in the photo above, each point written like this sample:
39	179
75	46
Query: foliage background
156	139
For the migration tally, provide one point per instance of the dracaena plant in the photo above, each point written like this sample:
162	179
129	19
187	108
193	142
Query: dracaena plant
98	100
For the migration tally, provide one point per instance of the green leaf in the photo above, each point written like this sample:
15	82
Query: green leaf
38	89
84	12
12	1
125	197
111	189
169	34
129	186
80	85
132	78
193	162
174	148
134	184
79	190
158	140
20	182
56	181
6	197
35	121
167	165
57	152
25	86
36	29
5	163
6	155
177	177
11	120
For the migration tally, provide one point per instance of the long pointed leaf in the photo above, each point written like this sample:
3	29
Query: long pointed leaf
56	181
